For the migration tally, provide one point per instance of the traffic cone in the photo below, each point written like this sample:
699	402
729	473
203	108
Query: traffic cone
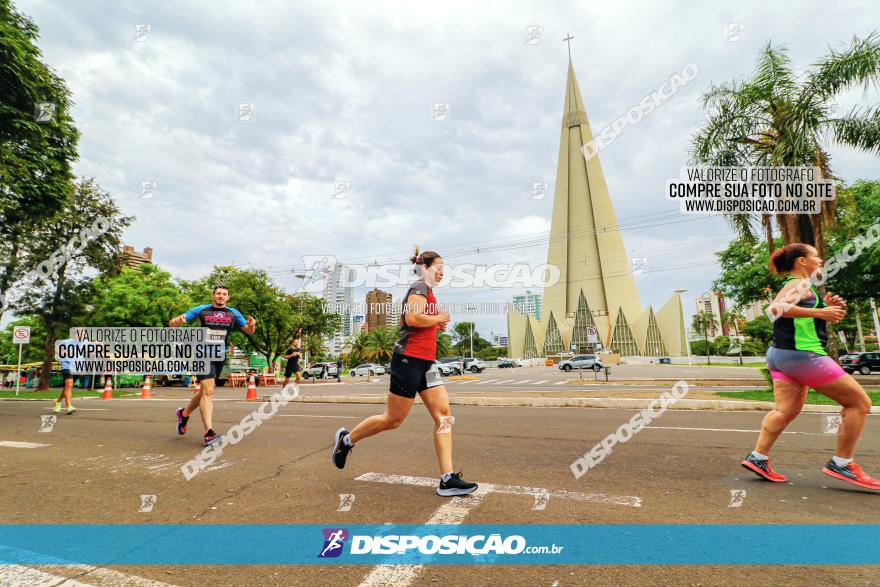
108	389
145	392
252	390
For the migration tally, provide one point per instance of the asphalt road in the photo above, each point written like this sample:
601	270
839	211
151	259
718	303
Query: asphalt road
97	464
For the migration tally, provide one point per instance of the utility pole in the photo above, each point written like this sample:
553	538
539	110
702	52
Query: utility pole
859	330
876	321
472	339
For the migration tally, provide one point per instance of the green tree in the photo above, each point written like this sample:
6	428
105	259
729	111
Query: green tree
380	344
859	210
780	118
62	297
745	272
760	329
37	149
444	344
142	296
703	321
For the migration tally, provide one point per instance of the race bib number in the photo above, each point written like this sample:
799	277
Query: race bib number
215	335
432	377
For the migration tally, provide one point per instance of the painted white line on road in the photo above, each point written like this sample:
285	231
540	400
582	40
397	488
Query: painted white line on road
540	382
109	576
626	500
317	416
563	382
21	576
16	444
85	410
486	381
724	430
452	513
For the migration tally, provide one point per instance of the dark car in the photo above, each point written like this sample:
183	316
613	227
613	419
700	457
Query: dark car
505	363
864	363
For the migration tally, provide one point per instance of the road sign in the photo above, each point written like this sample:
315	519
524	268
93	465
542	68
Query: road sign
592	334
21	335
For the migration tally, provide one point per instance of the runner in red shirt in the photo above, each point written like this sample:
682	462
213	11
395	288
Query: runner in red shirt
413	371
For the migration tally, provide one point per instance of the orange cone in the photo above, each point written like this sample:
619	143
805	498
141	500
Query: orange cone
145	392
252	390
108	389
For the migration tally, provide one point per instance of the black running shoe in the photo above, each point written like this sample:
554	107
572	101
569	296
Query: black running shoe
181	421
211	437
455	486
340	449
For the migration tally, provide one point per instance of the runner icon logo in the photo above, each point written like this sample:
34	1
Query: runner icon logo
147	503
346	500
832	424
334	540
47	423
737	496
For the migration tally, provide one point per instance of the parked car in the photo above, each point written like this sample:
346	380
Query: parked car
864	363
317	369
367	369
444	368
473	365
453	363
581	362
505	363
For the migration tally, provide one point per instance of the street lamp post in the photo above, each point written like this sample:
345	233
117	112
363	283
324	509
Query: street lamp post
687	342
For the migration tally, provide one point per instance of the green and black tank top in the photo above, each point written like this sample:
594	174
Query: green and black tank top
802	334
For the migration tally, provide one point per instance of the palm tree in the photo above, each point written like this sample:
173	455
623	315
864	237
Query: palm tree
444	344
357	347
778	118
732	318
314	346
703	321
379	345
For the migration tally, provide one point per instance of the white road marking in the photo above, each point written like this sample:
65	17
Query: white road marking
85	410
317	416
540	382
456	510
453	513
724	430
21	576
486	381
563	382
16	444
631	501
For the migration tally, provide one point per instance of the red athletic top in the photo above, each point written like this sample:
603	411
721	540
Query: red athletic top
418	342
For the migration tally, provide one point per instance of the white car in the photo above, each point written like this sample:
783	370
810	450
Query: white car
581	362
367	369
317	369
444	368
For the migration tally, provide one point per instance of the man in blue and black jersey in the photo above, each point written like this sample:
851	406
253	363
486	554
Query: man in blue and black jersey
220	320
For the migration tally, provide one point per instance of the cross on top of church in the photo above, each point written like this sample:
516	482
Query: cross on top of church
568	39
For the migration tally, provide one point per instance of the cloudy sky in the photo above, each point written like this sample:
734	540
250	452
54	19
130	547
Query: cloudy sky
344	92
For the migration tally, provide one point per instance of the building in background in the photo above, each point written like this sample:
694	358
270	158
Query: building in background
378	308
596	293
132	258
500	340
752	310
338	296
357	324
528	304
713	303
393	317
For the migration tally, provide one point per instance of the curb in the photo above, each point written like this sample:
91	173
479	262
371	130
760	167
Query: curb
581	402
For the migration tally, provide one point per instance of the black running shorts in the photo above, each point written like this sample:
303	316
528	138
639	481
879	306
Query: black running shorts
410	375
66	374
216	370
291	369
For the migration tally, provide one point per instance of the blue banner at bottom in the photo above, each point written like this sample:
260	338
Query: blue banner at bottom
467	544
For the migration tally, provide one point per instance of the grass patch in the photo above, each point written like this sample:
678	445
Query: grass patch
766	395
54	393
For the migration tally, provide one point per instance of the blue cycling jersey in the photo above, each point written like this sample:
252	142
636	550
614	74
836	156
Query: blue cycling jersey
219	321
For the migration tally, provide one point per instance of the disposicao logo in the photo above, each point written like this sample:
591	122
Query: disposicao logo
334	540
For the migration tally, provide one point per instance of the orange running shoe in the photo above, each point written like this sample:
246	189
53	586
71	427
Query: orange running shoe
762	468
852	473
